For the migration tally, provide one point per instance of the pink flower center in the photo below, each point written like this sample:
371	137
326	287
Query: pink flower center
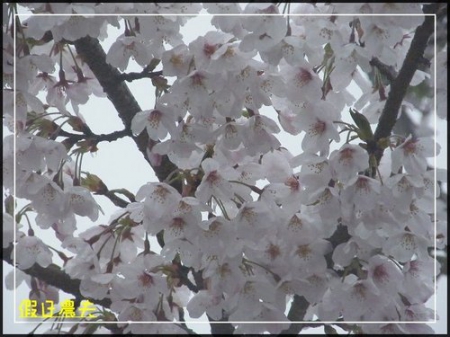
197	79
318	128
273	251
303	77
362	184
381	274
209	49
178	222
248	214
295	222
410	147
346	155
230	52
176	60
213	177
160	193
293	183
359	290
146	279
304	251
154	118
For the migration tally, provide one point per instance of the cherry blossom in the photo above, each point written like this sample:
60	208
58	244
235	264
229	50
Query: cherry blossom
159	29
318	126
229	24
202	302
157	122
32	250
403	246
386	276
141	281
348	161
205	46
266	31
259	137
412	154
82	203
418	279
214	182
129	46
304	84
177	61
362	192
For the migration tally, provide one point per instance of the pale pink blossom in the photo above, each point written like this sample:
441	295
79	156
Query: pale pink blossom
158	122
177	61
125	48
412	154
348	161
214	182
362	192
31	250
266	31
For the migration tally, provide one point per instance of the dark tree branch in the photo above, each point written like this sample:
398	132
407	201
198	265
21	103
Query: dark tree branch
115	199
129	77
401	83
296	313
110	137
386	70
54	276
220	328
121	97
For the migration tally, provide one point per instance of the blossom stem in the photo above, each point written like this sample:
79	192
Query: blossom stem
253	188
275	276
222	207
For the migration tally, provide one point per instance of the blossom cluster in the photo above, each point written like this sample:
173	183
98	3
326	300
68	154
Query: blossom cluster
253	224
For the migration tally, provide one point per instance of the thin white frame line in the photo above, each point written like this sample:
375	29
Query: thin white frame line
35	320
246	14
14	166
435	166
220	14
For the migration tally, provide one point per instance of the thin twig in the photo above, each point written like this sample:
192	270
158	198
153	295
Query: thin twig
129	77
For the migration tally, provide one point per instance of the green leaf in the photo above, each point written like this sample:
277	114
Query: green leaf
365	131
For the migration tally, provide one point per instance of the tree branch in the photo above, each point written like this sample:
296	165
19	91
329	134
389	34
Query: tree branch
109	137
129	77
401	83
53	275
121	97
296	313
386	70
